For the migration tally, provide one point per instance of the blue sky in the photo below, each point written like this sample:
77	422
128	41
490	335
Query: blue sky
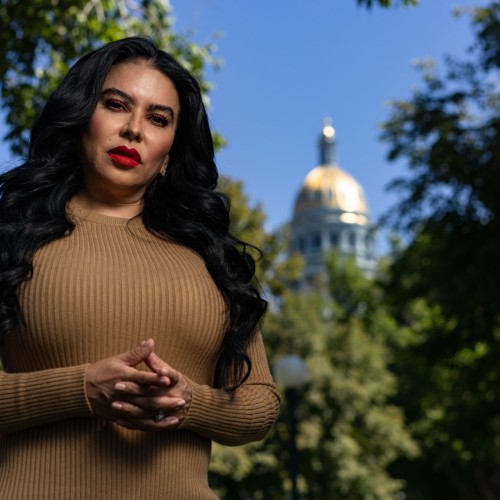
289	63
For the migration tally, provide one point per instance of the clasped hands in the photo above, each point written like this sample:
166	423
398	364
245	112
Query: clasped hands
134	398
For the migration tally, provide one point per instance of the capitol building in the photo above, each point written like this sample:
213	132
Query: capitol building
331	213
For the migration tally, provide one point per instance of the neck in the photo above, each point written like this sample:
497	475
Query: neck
122	208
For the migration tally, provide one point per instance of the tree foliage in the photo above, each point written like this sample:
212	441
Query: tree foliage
444	282
349	431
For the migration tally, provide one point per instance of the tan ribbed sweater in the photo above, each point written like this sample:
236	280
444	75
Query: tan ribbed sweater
96	293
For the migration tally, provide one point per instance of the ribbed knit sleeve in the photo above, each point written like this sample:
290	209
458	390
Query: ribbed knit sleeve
37	398
246	415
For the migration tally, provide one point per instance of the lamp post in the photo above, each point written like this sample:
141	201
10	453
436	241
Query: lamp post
291	373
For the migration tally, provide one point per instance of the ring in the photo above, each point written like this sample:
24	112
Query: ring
160	415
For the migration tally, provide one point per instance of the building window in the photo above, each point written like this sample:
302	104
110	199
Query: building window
352	240
334	239
316	240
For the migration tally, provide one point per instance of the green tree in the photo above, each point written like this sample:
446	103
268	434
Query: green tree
40	39
349	431
444	281
361	431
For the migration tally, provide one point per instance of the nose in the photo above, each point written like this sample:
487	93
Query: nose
132	128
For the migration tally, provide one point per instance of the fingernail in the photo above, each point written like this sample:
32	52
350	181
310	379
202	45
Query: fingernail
146	343
120	387
181	403
116	405
172	421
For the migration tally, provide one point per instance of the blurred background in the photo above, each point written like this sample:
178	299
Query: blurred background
387	300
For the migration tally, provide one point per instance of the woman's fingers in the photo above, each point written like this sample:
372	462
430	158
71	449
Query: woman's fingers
138	353
157	365
148	400
140	383
157	414
102	377
148	407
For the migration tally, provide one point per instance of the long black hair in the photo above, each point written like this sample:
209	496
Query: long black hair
183	204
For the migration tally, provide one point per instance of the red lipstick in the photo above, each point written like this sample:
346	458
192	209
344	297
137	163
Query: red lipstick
125	157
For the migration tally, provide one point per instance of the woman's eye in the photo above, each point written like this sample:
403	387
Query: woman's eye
159	120
114	105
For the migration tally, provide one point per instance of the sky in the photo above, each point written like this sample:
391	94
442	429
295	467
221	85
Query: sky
288	64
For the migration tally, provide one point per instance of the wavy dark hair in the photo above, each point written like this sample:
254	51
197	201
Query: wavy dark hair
183	204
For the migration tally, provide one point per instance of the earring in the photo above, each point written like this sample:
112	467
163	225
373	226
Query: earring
163	170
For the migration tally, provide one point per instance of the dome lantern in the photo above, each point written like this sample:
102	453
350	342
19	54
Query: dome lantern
327	143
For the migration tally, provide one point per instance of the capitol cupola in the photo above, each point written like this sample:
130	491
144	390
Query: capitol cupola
331	212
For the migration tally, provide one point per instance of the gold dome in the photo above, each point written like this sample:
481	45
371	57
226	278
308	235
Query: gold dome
328	186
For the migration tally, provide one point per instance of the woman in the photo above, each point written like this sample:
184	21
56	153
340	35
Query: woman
112	233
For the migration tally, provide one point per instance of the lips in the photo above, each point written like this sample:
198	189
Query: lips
125	156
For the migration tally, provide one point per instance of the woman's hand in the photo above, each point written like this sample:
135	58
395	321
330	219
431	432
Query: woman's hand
165	406
134	398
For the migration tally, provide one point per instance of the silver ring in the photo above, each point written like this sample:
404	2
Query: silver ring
160	415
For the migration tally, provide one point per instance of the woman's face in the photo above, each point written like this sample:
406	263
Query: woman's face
127	141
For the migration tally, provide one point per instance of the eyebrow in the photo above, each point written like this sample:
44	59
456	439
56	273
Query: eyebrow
128	98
